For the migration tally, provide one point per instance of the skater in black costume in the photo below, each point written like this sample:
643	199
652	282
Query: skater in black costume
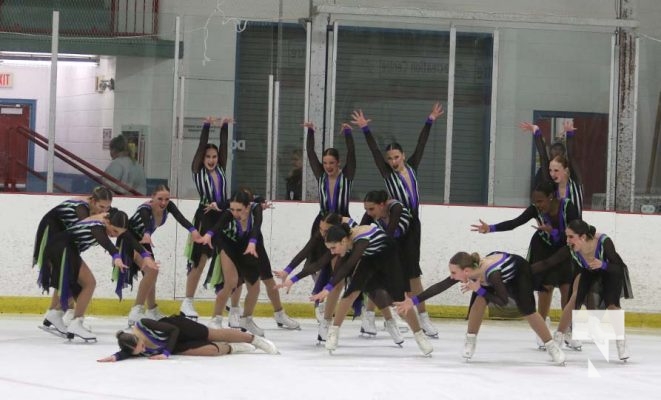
399	173
369	256
179	335
494	279
552	216
208	168
68	273
594	256
148	217
58	219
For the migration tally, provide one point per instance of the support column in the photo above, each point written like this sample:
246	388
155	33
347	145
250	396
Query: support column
626	113
318	78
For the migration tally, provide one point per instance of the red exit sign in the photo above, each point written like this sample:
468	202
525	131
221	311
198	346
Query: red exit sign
6	80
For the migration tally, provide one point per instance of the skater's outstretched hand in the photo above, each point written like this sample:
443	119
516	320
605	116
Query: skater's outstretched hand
211	206
195	235
117	262
206	239
158	357
404	306
436	111
281	274
149	262
321	296
286	284
252	250
359	119
472	285
146	239
107	359
482	227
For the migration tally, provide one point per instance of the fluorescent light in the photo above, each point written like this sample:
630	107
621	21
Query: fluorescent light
46	57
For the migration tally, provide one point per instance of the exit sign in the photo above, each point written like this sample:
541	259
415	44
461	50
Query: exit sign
6	79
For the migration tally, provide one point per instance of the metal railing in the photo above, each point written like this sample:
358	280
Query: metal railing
69	158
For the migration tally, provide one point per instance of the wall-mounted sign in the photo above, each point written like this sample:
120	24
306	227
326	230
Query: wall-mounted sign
107	137
6	79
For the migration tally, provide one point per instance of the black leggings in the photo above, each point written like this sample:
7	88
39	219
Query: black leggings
611	280
380	276
192	335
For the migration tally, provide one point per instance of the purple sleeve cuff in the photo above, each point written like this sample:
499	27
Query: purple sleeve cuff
192	229
253	241
346	131
365	129
492	228
207	124
116	256
537	133
429	121
352	223
555	235
571	133
481	291
329	287
149	231
295	279
415	300
289	269
210	233
604	265
166	353
145	254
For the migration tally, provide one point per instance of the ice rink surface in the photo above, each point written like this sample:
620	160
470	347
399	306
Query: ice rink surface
506	365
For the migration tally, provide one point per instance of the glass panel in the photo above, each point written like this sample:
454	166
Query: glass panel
113	82
395	84
471	124
648	148
545	76
209	90
277	50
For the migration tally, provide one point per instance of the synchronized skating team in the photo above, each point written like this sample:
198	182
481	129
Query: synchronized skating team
375	261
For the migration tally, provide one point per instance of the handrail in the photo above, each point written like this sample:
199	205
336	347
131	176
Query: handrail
63	153
39	175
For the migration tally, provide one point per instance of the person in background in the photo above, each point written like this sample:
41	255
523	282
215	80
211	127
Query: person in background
294	180
124	168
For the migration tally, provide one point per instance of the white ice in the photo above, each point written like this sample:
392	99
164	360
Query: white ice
506	365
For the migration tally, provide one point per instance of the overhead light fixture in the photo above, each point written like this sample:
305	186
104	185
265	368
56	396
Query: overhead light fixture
20	57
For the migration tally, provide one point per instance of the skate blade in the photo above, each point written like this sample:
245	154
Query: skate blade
72	336
575	348
53	331
403	329
435	336
283	326
364	333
